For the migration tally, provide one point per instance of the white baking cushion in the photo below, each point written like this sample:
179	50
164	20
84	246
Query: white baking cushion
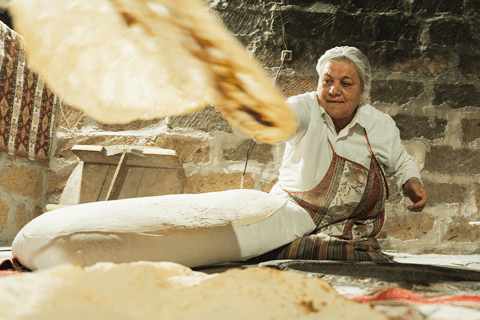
189	229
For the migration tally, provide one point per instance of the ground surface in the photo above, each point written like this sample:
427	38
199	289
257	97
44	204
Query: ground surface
434	301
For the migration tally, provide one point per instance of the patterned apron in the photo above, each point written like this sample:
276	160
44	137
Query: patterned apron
348	208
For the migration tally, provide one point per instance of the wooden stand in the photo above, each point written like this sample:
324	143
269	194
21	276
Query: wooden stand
120	172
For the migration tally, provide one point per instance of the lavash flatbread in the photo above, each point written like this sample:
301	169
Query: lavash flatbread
123	60
168	291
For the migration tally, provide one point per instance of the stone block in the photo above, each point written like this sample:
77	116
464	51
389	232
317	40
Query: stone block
473	7
189	149
378	5
242	18
266	187
408	226
308	34
477	196
133	125
292	86
232	4
396	28
456	96
302	24
24	216
198	183
469	64
459	230
308	3
447	160
395	91
260	152
443	193
55	186
207	120
450	32
470	130
22	180
261	32
4	210
70	117
352	28
407	61
433	7
420	127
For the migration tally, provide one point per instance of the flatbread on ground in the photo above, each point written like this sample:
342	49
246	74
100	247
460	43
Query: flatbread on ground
148	291
123	60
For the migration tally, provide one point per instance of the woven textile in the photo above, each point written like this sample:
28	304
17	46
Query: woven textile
27	106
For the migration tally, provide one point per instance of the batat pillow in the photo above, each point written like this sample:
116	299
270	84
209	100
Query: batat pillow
189	229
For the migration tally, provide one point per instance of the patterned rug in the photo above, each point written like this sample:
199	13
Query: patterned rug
406	296
27	106
11	267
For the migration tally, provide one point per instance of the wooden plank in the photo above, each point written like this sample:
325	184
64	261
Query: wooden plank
118	178
157	182
93	178
144	171
83	152
141	156
156	161
159	151
51	207
98	154
88	148
132	183
108	180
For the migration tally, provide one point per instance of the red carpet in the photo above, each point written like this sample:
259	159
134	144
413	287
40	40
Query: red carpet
10	267
401	295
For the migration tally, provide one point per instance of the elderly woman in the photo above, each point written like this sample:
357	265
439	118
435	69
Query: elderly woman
335	164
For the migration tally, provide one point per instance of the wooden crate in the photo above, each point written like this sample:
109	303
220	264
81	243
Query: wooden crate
120	172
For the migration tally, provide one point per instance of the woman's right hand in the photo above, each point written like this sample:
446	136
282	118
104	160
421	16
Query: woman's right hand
414	189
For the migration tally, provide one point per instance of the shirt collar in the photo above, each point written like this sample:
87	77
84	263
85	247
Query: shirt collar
358	119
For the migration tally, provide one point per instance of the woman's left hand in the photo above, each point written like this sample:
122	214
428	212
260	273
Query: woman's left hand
414	189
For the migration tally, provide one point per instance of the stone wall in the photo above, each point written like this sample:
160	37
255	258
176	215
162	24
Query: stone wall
426	62
25	134
22	186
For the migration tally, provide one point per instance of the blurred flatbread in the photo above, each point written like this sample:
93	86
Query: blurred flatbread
168	291
123	60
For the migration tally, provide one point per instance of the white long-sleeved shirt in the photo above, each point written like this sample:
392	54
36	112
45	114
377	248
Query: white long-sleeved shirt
308	155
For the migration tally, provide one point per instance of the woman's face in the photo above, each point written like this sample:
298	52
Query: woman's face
340	90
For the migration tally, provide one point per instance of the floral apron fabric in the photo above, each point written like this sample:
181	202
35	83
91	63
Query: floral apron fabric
348	208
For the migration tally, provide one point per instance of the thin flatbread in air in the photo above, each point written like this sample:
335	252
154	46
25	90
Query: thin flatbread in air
124	60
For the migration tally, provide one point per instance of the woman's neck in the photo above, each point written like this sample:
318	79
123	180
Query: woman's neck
340	124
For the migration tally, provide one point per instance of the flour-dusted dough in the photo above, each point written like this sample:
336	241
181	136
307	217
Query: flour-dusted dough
190	229
167	291
122	60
